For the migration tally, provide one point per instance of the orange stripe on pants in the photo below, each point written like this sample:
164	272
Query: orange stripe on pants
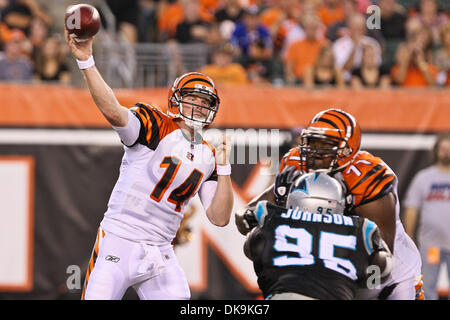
94	255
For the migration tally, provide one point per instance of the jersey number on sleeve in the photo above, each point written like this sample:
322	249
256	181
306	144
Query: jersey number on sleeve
183	192
302	244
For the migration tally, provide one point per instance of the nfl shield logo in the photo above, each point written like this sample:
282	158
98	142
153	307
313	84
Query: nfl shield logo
190	156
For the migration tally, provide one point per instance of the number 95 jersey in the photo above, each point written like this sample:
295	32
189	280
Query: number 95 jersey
322	256
159	173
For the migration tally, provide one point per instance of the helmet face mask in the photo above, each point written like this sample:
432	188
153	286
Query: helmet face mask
321	152
197	113
203	112
330	142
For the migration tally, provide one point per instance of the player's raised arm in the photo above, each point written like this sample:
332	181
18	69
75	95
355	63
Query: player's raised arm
102	94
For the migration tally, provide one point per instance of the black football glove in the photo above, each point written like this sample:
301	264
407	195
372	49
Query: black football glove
250	218
245	219
283	182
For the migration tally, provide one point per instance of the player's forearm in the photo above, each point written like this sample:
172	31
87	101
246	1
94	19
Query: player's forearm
104	98
219	211
242	225
382	212
266	195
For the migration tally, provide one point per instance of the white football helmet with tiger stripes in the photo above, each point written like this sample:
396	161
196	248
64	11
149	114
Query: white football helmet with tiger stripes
197	84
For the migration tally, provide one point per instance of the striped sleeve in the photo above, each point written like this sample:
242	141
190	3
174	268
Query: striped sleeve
369	179
151	124
291	158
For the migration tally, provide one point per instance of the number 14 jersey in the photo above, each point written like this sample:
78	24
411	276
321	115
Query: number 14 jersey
159	173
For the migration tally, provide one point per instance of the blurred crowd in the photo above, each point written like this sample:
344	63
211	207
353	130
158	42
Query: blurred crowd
28	50
342	43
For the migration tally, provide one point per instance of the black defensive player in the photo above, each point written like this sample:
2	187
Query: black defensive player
309	250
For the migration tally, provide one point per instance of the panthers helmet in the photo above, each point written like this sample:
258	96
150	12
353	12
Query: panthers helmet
340	133
316	192
198	84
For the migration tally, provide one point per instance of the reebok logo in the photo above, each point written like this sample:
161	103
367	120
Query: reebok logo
112	259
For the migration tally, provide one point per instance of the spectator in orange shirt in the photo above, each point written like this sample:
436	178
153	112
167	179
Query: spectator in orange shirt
223	70
304	52
14	64
330	12
173	14
412	68
280	19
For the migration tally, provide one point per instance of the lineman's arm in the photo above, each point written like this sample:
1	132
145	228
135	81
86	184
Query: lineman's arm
378	250
276	193
102	94
382	212
255	243
251	237
243	215
383	259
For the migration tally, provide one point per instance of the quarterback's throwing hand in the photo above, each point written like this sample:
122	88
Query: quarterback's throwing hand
80	50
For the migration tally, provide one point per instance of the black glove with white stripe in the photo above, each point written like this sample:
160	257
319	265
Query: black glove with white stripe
283	182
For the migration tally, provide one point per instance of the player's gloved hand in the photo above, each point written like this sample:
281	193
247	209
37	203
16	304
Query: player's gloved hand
283	182
245	219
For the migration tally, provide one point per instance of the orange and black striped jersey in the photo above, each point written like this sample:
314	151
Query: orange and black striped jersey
365	179
161	171
155	125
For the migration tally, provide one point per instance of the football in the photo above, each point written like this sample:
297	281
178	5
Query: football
82	21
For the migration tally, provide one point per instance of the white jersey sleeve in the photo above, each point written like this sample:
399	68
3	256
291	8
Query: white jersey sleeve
206	194
130	133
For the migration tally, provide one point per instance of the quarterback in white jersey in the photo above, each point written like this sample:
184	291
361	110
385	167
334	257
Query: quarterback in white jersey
166	162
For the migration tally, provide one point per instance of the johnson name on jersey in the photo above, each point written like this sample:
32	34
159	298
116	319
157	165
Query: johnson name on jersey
322	256
159	173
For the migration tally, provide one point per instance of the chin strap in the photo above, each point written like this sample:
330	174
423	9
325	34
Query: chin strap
193	124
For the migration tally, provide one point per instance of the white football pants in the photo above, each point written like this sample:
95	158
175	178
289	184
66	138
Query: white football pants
117	264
